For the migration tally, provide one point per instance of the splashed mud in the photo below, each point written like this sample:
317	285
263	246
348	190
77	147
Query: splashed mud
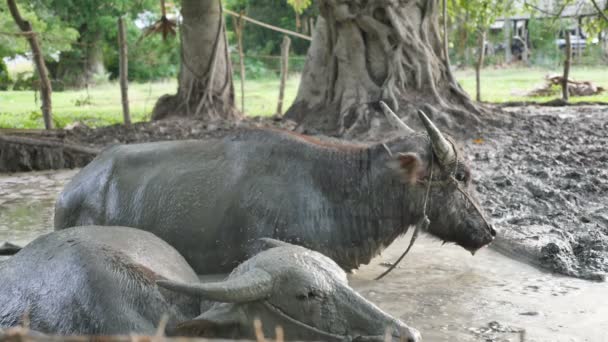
544	182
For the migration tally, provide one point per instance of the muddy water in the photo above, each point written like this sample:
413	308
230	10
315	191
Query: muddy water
443	291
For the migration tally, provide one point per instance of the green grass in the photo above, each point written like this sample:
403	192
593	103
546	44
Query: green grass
98	106
101	104
502	85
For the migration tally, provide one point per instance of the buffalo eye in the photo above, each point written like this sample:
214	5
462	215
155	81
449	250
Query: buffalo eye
307	295
461	176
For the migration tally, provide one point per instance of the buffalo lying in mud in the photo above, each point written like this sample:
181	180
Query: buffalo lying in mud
210	199
103	280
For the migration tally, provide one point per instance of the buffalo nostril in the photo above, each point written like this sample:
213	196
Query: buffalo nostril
492	231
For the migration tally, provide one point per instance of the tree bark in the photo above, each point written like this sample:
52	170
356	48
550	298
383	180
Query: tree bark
479	64
123	71
567	60
362	54
45	83
205	89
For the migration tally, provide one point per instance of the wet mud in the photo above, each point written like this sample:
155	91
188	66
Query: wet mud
544	183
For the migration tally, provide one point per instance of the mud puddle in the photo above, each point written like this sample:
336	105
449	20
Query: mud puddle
26	203
450	295
441	290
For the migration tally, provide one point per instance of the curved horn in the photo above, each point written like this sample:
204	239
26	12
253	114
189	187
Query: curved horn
272	243
444	150
394	120
250	286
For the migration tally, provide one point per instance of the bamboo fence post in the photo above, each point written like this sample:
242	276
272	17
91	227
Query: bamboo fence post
284	70
239	23
479	64
567	60
123	71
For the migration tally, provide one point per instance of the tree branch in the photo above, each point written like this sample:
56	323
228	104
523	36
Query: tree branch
599	10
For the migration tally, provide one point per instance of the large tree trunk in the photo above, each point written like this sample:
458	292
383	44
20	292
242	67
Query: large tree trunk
389	51
80	67
205	89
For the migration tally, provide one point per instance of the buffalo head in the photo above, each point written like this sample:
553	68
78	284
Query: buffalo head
303	291
438	181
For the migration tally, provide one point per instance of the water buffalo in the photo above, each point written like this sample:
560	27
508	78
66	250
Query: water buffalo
209	199
103	280
94	280
296	288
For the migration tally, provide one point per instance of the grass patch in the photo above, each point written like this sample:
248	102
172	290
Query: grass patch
503	85
100	105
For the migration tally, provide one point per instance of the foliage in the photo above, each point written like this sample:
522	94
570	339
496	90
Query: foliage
92	20
299	5
5	78
54	35
25	81
482	13
472	18
256	69
543	33
150	58
260	40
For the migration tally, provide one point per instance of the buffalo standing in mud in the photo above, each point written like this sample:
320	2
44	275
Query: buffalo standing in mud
103	280
210	199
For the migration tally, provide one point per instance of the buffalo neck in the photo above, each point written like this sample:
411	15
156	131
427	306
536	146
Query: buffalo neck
364	201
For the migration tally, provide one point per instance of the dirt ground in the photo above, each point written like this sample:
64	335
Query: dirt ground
544	183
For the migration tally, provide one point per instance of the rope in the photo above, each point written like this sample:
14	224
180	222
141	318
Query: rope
278	29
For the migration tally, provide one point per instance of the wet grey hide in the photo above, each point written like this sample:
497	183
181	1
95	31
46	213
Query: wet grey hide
211	198
94	280
303	291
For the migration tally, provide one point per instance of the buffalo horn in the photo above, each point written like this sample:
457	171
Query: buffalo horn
444	150
394	120
250	286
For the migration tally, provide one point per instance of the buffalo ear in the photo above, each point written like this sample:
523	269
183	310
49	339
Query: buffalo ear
220	321
408	165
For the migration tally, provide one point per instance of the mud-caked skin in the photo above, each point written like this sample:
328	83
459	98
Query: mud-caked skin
94	280
298	289
210	199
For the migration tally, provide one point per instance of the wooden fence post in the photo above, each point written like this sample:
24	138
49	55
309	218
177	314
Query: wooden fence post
479	64
45	83
284	70
568	52
239	23
123	66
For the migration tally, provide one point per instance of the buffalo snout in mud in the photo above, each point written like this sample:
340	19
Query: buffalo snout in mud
300	290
